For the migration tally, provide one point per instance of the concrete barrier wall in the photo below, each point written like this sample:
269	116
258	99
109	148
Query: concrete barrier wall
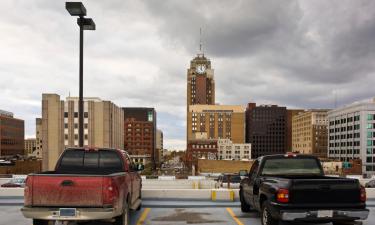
178	184
183	194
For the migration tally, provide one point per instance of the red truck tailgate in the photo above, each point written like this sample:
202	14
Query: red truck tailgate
70	190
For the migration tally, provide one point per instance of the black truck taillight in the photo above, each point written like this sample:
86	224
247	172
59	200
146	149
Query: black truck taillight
282	195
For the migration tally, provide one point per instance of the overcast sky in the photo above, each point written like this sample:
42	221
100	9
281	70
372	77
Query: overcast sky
299	54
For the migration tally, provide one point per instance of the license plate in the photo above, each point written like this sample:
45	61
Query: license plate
68	212
325	213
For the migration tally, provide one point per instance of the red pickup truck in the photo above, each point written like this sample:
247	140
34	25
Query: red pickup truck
87	184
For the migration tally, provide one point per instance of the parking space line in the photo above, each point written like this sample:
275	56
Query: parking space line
234	216
143	216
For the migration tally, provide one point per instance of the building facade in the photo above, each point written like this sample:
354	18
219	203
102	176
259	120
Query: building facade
37	153
230	151
310	133
30	146
201	149
216	122
266	129
12	135
103	126
290	113
140	134
200	82
352	134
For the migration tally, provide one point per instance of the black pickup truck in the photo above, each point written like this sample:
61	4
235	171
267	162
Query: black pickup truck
293	187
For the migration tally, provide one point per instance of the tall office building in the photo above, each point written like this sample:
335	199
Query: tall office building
216	122
351	134
12	135
266	129
103	125
140	134
309	132
200	82
290	113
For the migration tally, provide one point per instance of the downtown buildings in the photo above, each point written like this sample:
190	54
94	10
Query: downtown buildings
208	122
310	133
103	126
352	134
12	135
140	134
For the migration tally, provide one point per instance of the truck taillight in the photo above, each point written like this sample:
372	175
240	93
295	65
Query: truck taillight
363	194
109	191
282	195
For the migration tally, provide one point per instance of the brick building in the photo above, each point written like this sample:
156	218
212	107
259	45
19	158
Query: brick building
310	134
12	135
140	134
201	149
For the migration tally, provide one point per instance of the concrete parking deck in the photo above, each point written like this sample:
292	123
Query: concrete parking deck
169	216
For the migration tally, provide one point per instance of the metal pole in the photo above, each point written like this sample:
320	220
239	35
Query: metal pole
80	110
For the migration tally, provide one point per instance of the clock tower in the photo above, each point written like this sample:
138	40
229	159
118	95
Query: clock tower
200	82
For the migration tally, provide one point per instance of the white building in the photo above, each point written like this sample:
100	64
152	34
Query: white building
351	134
229	150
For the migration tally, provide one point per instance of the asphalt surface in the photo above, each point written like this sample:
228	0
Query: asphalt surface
11	215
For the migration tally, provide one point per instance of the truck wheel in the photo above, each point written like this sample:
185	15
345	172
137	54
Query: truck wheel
124	218
266	217
40	222
244	206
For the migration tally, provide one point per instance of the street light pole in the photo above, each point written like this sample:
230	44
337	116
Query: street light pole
78	9
80	108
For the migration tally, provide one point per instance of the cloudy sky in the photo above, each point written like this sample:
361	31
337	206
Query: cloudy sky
299	54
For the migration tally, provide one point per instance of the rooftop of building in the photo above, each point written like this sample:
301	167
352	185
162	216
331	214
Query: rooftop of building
95	99
216	108
360	103
6	113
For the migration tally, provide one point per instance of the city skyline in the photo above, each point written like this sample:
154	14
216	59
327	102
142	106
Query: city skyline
300	54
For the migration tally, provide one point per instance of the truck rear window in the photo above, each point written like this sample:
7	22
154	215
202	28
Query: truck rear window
291	166
91	162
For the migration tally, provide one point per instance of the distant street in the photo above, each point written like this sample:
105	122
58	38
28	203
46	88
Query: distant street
11	215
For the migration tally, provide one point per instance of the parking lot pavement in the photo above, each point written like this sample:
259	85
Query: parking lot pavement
11	215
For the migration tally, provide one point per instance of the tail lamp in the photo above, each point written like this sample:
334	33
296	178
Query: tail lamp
282	195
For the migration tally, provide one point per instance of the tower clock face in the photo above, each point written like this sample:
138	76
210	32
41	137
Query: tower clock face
201	68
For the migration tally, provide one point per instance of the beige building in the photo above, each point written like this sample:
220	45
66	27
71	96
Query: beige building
30	146
103	125
309	132
228	150
37	153
216	122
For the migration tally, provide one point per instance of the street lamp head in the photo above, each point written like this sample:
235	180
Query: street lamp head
75	8
86	23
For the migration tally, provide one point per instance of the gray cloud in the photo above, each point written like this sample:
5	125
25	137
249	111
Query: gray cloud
294	53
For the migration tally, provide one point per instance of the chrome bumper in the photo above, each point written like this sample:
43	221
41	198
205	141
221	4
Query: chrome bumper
82	213
313	215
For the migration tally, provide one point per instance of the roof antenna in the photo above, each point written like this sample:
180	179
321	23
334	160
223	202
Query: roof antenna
200	40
